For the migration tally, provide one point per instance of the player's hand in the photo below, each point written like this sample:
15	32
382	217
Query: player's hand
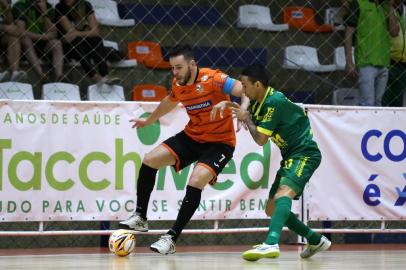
218	108
140	122
241	124
240	113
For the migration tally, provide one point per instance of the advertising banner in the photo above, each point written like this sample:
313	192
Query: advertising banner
80	161
362	175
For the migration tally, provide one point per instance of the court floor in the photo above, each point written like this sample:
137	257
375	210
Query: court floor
354	257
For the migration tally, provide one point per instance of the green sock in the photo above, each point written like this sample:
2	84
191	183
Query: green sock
295	225
279	217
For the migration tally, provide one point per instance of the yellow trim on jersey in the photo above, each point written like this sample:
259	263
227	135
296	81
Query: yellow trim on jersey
262	101
265	131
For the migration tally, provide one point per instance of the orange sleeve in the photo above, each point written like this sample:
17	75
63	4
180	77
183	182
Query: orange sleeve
219	80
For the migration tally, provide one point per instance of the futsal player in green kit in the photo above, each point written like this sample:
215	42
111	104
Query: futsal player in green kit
271	115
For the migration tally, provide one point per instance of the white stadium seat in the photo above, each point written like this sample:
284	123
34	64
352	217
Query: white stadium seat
107	13
125	63
60	91
257	16
304	57
105	92
16	90
339	57
346	96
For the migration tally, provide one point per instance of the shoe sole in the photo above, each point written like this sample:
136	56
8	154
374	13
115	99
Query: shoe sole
252	257
325	246
126	227
157	251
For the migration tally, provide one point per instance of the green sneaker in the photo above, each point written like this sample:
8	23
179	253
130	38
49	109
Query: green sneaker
261	251
310	250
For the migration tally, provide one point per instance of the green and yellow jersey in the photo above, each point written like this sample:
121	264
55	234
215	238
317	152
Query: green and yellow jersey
285	122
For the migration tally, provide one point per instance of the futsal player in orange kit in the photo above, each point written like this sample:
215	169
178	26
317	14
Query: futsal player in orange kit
209	142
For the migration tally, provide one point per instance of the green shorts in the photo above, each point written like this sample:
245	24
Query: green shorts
295	173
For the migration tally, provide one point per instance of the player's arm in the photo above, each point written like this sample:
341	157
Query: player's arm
238	92
165	106
258	137
230	87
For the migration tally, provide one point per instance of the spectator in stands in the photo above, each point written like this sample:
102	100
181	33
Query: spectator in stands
396	88
207	142
10	42
40	35
77	23
271	116
371	24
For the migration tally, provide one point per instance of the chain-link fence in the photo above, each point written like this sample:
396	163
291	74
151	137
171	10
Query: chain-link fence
224	35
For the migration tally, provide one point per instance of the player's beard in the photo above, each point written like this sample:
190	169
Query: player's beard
186	78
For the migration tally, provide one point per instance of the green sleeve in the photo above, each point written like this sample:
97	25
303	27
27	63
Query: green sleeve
353	14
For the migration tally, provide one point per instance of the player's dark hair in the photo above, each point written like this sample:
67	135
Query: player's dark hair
256	73
185	50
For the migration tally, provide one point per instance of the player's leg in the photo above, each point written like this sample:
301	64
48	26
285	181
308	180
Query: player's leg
281	205
316	242
297	181
157	158
210	163
199	178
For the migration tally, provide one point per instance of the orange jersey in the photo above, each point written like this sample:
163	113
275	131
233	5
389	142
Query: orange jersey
198	100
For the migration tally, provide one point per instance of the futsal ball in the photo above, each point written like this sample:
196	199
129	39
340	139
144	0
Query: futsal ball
122	242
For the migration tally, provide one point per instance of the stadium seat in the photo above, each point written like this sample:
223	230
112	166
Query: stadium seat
304	57
105	92
186	14
16	90
334	17
303	18
148	53
149	92
339	57
60	91
125	63
107	14
346	96
257	16
230	56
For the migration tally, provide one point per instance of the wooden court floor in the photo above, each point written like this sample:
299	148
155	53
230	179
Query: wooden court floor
351	257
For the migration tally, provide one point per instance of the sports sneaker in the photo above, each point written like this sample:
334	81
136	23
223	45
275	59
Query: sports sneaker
165	245
261	251
310	250
135	222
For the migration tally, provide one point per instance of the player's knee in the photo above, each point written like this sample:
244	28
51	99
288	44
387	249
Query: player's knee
151	161
197	182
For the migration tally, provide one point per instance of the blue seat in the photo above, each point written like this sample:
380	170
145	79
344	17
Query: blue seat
229	56
170	14
226	56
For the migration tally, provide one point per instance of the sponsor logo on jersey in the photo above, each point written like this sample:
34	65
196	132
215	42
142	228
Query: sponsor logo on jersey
268	115
199	88
199	106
